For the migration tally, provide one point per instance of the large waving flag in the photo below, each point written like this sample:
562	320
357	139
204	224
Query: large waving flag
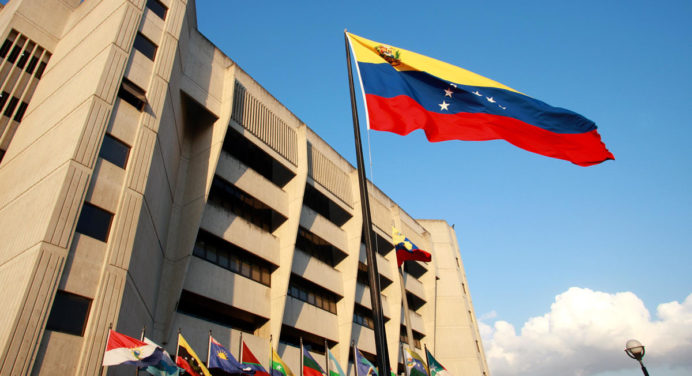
436	368
335	368
279	368
363	365
310	366
248	359
221	358
122	349
165	367
405	91
415	365
406	250
188	360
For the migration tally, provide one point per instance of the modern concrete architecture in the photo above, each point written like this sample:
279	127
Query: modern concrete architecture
147	181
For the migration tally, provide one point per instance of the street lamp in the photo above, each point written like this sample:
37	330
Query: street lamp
635	350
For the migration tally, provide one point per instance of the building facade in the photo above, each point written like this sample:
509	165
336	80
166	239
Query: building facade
146	181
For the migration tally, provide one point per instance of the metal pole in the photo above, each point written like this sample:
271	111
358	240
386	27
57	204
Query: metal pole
373	275
407	313
646	373
302	356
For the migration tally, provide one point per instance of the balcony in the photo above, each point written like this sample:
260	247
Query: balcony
383	266
317	272
248	180
364	338
415	287
416	321
240	232
363	298
308	318
322	227
214	282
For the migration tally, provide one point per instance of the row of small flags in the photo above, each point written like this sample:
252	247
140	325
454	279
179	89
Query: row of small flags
152	358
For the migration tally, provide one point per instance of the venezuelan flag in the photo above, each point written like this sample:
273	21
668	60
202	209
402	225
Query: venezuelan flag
405	91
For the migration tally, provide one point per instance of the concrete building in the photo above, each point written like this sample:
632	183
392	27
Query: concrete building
147	181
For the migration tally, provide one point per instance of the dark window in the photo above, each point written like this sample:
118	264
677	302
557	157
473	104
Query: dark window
13	55
5	48
145	46
32	64
312	294
114	151
3	98
94	222
403	337
2	154
69	313
39	71
233	199
320	203
132	94
25	55
231	257
158	8
218	312
11	106
20	112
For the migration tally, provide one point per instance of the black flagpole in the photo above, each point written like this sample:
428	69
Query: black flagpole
373	275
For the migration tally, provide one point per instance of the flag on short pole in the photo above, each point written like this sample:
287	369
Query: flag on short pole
188	360
166	367
248	359
279	368
310	365
335	364
405	91
122	349
406	250
363	365
221	358
435	367
415	365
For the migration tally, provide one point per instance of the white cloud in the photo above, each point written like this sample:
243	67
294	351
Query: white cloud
585	333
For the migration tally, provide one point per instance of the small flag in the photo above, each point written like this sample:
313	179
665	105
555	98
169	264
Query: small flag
436	369
364	367
335	364
279	368
405	91
222	359
406	250
310	366
415	365
122	349
248	359
166	367
188	360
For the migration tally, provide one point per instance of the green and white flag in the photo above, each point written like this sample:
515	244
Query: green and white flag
436	368
334	366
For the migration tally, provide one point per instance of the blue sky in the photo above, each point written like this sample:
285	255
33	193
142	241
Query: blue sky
529	227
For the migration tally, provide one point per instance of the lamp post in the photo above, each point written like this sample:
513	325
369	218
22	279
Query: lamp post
635	350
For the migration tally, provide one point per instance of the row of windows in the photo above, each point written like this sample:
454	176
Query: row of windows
315	246
403	338
231	257
233	199
309	294
22	57
320	203
12	105
363	317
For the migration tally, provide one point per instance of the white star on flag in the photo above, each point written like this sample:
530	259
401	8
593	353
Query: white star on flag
490	99
444	106
448	93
